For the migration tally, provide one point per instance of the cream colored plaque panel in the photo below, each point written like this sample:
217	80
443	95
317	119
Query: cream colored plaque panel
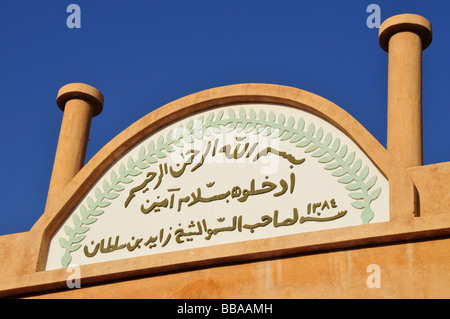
230	174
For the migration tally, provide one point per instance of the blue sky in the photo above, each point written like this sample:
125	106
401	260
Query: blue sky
144	54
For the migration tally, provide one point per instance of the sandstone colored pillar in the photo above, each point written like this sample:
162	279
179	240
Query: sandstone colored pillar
404	37
79	102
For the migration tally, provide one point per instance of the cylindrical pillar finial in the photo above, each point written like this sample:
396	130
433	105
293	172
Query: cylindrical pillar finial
79	102
404	37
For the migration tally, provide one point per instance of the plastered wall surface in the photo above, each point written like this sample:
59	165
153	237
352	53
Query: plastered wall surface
410	251
407	270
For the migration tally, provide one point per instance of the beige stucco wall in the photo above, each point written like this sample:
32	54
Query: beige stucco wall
433	184
407	270
412	252
410	269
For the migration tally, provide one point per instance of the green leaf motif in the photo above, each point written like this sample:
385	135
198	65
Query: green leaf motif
374	195
64	243
359	205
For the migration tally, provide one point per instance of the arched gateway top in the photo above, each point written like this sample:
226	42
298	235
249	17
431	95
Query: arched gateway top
234	171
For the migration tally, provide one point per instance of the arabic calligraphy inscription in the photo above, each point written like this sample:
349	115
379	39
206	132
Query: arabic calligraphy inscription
239	172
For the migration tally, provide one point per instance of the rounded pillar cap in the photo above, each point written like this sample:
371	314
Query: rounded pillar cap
405	22
80	91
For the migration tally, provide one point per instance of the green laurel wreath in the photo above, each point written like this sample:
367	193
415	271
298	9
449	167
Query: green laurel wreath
314	141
